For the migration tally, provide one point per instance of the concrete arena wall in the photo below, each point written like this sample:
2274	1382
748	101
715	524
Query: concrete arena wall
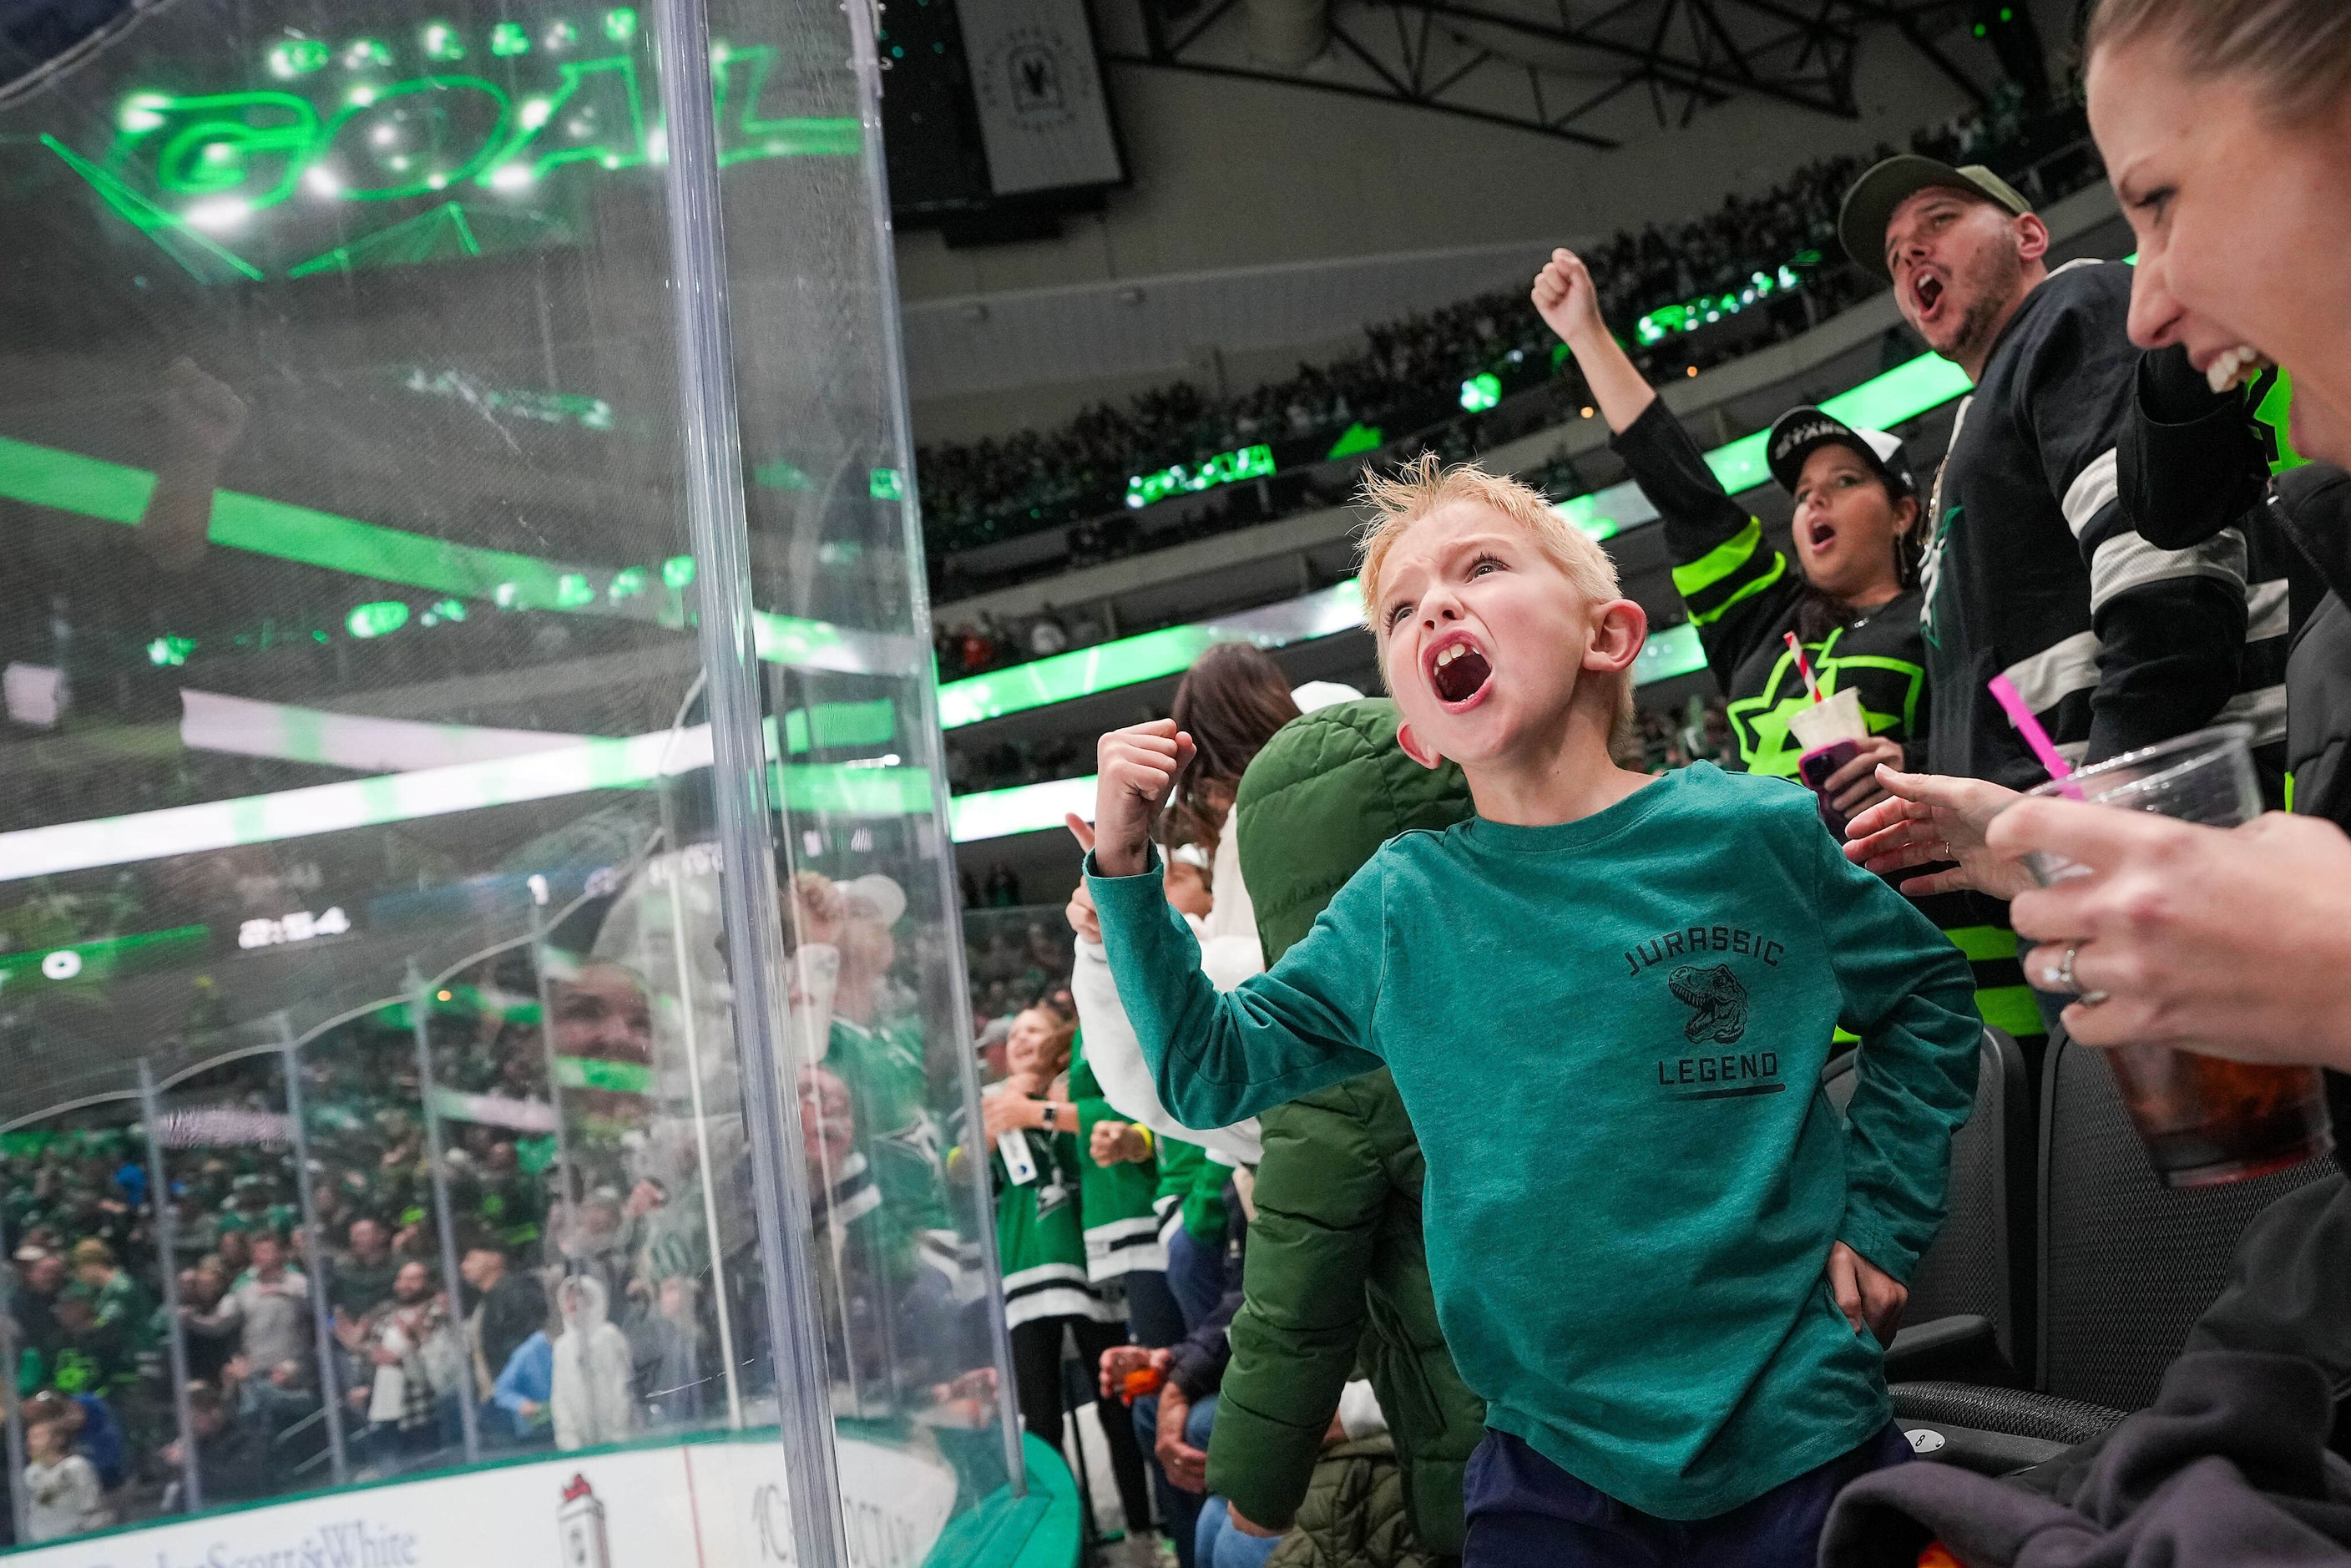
1231	176
1230	173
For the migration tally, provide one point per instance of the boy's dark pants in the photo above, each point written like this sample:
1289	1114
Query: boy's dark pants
1526	1513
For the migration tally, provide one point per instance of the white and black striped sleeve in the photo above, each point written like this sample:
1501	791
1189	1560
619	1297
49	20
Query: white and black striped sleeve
2170	623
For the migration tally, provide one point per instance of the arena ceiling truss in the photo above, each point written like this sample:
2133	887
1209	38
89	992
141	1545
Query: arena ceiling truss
1586	71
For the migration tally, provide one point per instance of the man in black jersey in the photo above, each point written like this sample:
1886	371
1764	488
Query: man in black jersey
2033	568
1854	603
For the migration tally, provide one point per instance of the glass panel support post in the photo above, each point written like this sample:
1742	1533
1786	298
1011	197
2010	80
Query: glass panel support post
12	1351
540	932
710	436
938	839
167	1242
323	1320
721	1302
420	1017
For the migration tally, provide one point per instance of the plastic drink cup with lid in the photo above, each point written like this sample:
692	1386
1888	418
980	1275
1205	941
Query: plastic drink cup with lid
1830	732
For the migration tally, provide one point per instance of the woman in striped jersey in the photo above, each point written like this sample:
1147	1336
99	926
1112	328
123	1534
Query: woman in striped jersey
1041	1244
1853	602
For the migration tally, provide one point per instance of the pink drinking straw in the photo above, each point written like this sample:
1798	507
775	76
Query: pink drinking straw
1804	667
2003	692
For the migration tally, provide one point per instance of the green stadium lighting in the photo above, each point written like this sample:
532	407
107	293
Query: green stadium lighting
1169	651
294	57
379	619
1668	320
870	789
1039	808
1902	393
1585	513
1023	809
105	956
1189	479
113	492
1481	391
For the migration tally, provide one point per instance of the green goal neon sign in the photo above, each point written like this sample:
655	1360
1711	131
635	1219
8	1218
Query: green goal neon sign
456	137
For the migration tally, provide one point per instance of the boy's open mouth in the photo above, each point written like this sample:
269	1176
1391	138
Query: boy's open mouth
1458	669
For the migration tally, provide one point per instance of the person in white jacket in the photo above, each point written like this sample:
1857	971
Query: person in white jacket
591	1401
62	1494
1112	1049
1230	701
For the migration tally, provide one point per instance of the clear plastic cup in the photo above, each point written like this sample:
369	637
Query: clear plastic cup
2203	1119
1830	732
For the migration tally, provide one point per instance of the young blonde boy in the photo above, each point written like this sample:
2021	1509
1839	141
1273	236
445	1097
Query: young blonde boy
1606	999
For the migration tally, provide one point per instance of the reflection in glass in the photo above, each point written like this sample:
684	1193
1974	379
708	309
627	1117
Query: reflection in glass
389	1088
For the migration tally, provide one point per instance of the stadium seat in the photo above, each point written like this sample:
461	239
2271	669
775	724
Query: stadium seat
1970	1318
2128	1263
2125	1265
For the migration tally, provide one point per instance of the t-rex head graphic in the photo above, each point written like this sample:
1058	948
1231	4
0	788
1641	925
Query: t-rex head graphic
1719	998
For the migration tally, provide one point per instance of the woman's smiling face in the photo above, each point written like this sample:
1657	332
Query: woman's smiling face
1029	1049
2244	224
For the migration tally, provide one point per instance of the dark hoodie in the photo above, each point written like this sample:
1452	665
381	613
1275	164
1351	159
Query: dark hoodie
2229	1468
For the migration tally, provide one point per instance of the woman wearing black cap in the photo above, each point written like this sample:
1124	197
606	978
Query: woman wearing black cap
1853	600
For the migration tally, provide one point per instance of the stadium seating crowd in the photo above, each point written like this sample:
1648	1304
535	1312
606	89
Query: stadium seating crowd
998	488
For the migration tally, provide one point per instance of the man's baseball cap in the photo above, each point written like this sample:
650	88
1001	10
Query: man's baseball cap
1801	432
1869	205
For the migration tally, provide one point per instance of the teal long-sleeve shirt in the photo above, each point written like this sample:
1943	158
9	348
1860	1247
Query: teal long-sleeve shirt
1609	1035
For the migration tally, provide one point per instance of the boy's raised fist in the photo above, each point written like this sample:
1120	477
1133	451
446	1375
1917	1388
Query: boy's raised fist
1565	297
1136	769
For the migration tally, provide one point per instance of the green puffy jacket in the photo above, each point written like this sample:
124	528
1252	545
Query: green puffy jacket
1353	1515
1336	1273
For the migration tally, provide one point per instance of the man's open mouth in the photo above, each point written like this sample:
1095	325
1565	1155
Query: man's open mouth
1458	671
1927	288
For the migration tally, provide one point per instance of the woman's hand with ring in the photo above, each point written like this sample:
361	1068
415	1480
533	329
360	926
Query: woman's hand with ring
2064	982
2229	942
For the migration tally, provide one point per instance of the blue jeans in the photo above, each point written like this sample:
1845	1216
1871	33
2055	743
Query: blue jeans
1180	1509
1219	1545
1526	1513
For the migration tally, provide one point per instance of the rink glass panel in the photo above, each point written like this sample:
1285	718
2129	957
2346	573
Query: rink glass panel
360	852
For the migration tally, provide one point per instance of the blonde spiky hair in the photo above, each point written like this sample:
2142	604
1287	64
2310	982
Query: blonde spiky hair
1396	501
1416	489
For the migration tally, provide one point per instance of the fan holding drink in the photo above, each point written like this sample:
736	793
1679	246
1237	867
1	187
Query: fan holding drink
2205	1114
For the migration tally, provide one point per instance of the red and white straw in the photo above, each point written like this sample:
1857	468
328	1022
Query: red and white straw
1803	665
